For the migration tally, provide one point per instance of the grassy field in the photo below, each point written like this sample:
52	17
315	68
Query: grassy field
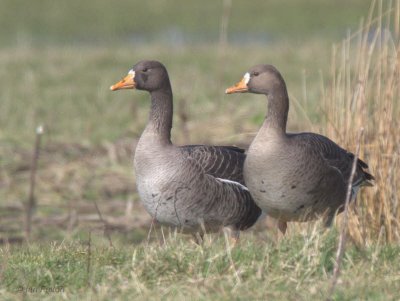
172	22
297	268
58	59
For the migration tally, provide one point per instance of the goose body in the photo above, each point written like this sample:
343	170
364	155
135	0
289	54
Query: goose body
177	189
195	187
294	176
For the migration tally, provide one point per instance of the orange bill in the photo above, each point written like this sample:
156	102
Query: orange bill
240	87
128	82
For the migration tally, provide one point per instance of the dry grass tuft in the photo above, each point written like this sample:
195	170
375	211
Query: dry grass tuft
364	92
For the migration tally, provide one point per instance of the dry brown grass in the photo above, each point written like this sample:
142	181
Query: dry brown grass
364	91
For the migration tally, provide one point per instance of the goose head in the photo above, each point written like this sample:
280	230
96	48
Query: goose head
260	79
146	75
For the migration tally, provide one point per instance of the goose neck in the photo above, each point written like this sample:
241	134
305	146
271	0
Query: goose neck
278	109
160	117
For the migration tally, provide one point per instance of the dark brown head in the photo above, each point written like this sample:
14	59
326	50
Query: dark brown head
260	79
146	75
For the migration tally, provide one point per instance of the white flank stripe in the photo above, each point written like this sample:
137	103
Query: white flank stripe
234	183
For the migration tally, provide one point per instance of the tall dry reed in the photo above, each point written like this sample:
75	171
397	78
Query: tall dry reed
363	91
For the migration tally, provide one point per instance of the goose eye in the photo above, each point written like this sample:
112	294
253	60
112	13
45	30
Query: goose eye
145	70
256	74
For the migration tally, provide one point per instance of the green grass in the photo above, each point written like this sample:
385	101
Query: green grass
176	21
67	89
59	58
298	268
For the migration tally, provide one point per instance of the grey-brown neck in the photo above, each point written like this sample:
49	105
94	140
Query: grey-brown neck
278	108
160	117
